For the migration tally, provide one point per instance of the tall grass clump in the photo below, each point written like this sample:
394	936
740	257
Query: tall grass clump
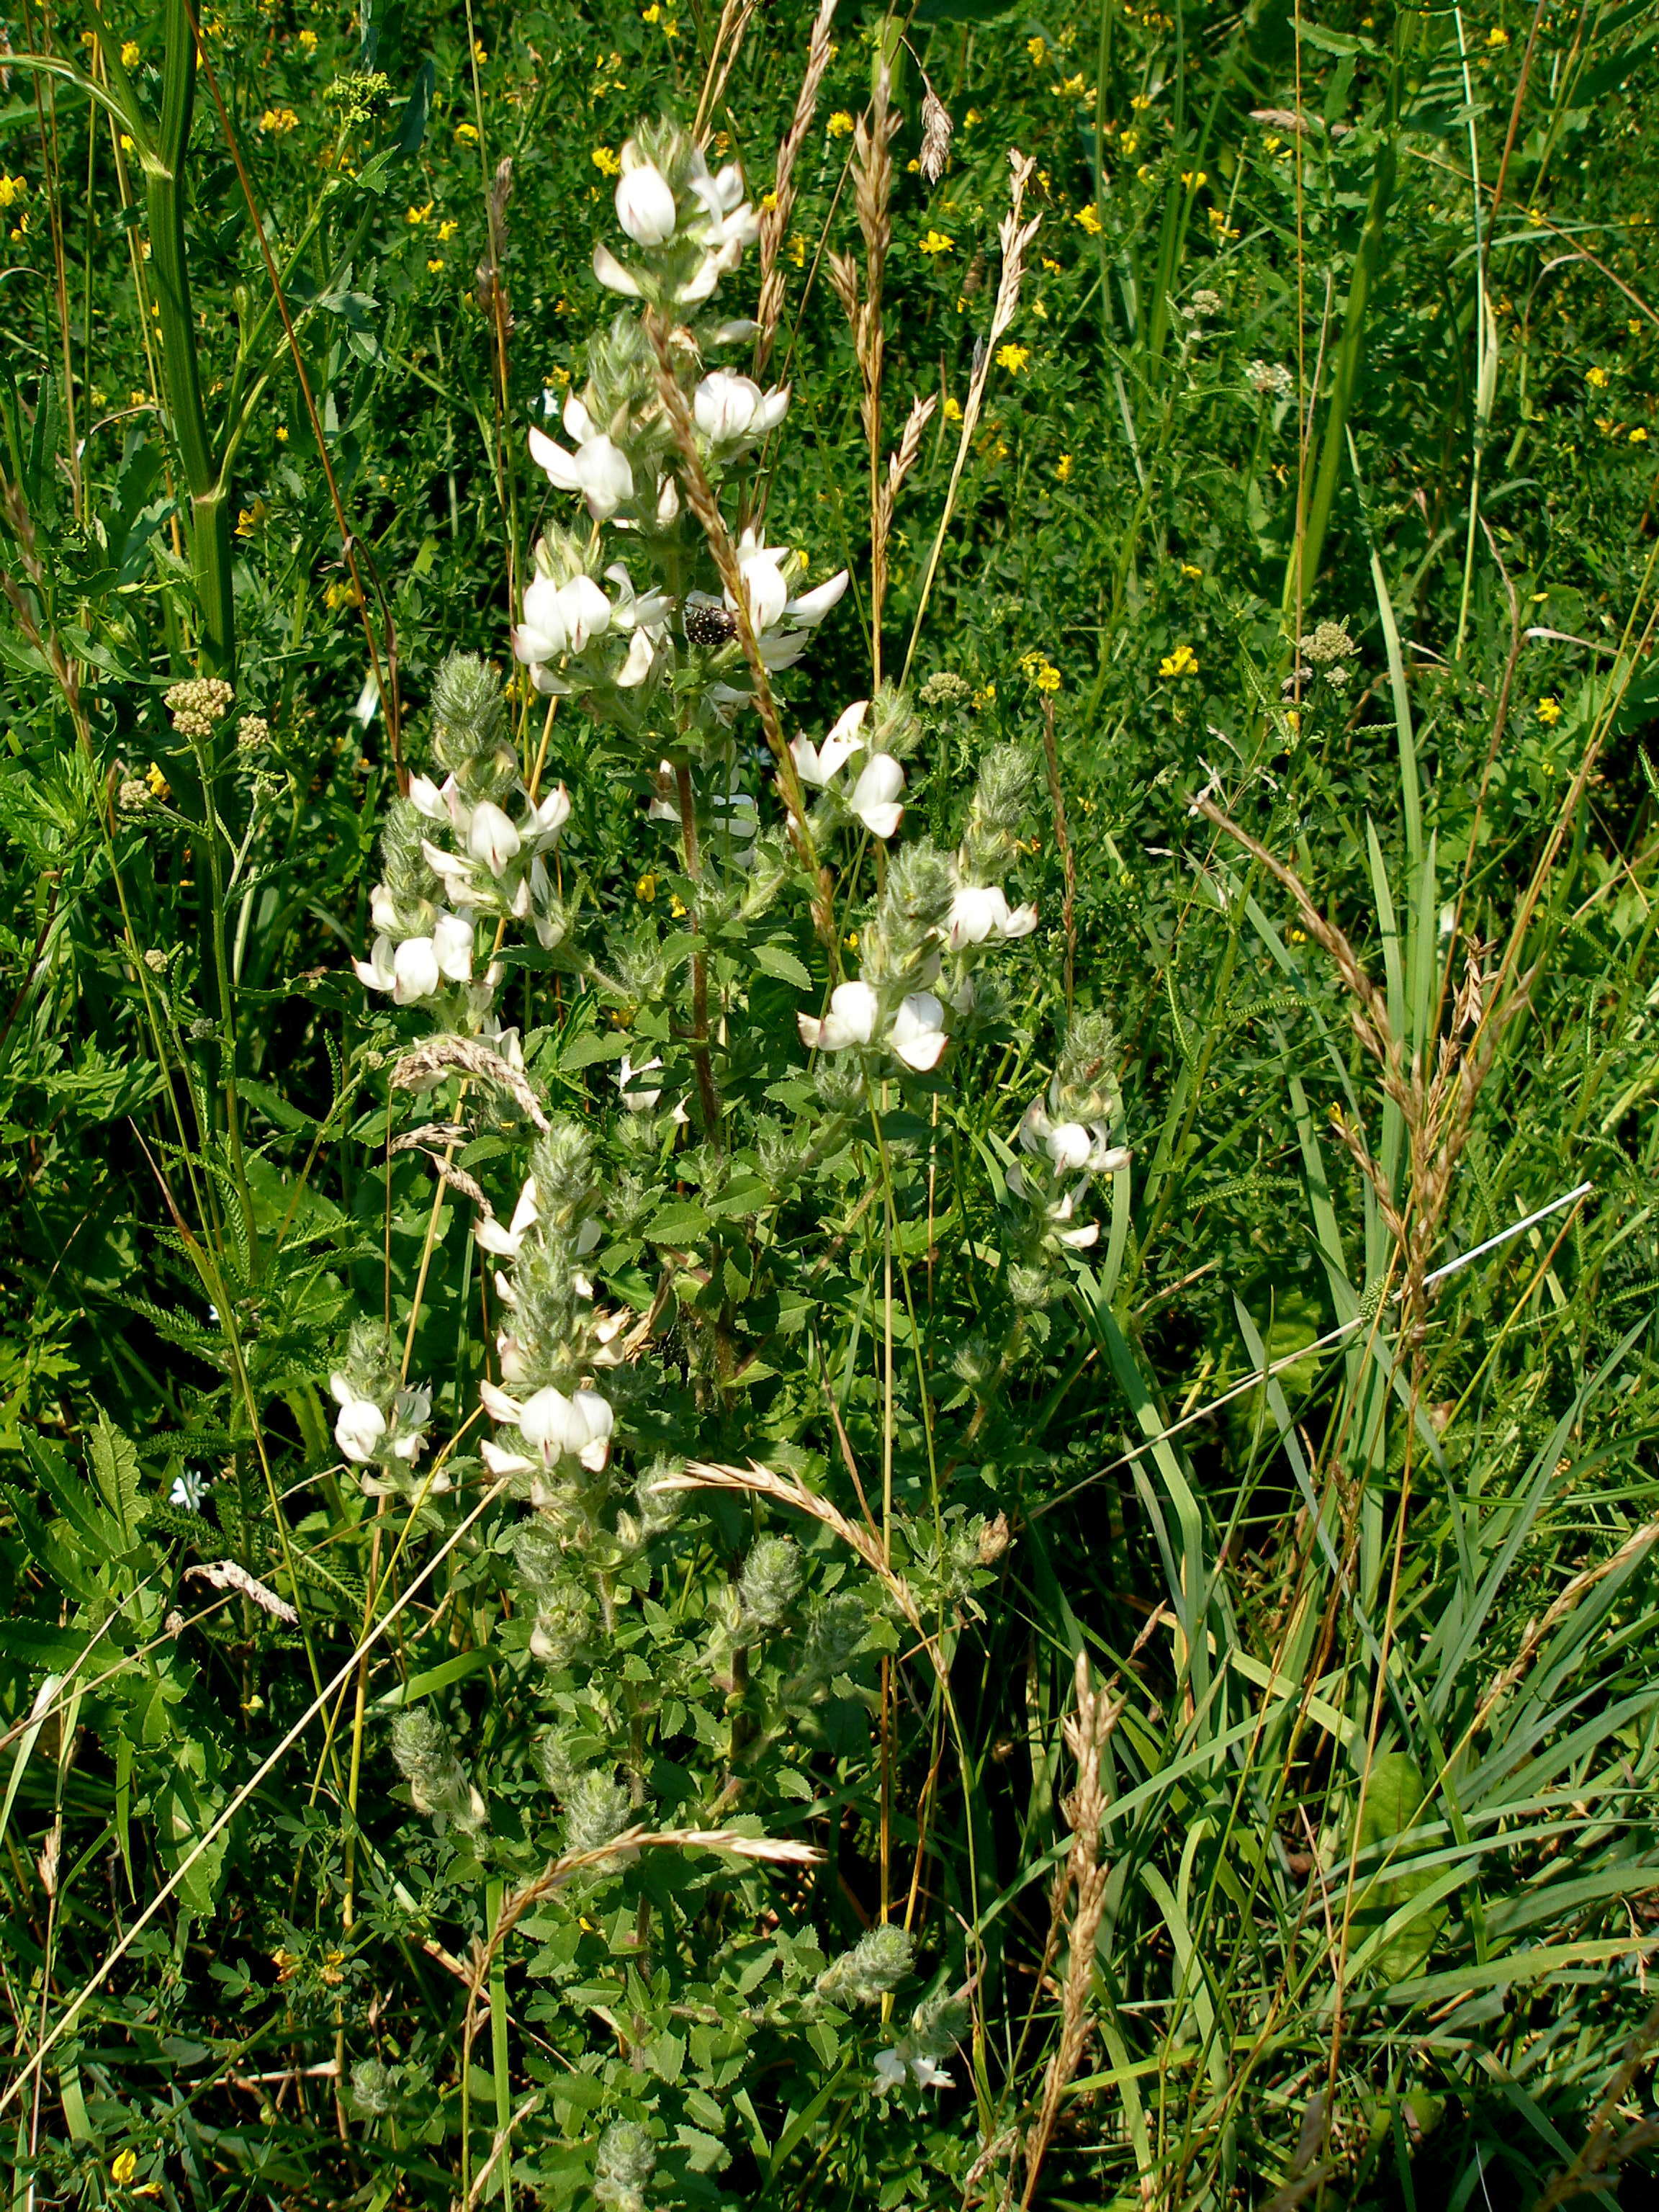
826	1063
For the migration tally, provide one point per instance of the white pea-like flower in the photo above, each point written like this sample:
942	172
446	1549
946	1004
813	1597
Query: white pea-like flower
890	2072
731	410
981	910
917	1036
560	618
361	1423
851	1020
505	1243
599	469
817	765
1072	1147
636	1099
552	1425
491	837
875	798
645	202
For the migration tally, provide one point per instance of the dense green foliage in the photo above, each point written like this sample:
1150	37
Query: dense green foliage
1281	625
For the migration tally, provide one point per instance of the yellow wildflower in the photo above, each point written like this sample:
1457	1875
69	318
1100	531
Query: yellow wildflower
480	52
1639	436
1188	569
1129	142
130	54
307	42
158	783
1038	49
12	189
1597	379
1140	102
769	202
645	889
1498	36
607	160
1053	267
251	519
416	214
972	116
1183	661
277	122
1088	220
651	14
671	29
1074	88
937	242
282	434
1063	468
839	124
434	262
987	698
342	594
1549	712
1013	357
467	133
797	251
676	906
952	411
1194	177
446	231
123	2168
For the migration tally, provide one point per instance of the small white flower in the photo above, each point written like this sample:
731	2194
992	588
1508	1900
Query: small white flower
427	799
917	1036
890	2072
360	1425
599	469
817	765
981	910
929	2076
731	410
612	274
636	1100
644	204
851	1019
875	799
505	1243
541	826
188	1490
414	970
451	941
560	618
377	972
491	837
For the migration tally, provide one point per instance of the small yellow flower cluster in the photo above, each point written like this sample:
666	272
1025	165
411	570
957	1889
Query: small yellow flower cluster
951	411
1549	712
1038	51
1597	379
1042	671
840	125
158	783
12	189
937	242
645	889
1498	36
1013	357
607	160
418	215
1183	661
1063	468
446	230
342	594
277	122
307	42
1127	143
251	519
130	56
1087	220
466	134
1073	88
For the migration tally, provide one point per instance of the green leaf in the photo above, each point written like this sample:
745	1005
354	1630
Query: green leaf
778	960
115	1470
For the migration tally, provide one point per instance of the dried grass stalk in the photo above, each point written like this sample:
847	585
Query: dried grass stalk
1082	1884
440	1055
775	220
1015	238
735	18
226	1575
937	132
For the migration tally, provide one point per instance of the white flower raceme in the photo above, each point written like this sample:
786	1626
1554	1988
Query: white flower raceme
552	1425
732	410
818	764
645	201
365	1435
854	1009
875	796
981	910
917	1036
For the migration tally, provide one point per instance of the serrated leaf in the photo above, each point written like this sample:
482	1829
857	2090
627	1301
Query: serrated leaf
778	960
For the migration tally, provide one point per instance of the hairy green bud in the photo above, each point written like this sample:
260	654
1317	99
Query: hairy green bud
875	1966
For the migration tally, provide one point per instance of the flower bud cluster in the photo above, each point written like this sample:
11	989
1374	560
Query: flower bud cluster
198	704
871	1970
554	1341
438	1782
934	908
1066	1139
382	1422
456	853
627	2159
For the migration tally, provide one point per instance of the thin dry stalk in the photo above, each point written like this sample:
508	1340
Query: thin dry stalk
735	18
937	132
1604	2152
775	219
1015	238
860	296
900	463
1082	1884
227	1575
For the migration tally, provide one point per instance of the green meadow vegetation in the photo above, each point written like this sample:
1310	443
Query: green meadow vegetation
828	1053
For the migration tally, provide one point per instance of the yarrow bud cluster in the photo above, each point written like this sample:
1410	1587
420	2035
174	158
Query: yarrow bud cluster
198	704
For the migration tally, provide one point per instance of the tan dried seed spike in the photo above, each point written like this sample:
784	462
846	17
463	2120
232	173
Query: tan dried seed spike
226	1574
937	131
438	1055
